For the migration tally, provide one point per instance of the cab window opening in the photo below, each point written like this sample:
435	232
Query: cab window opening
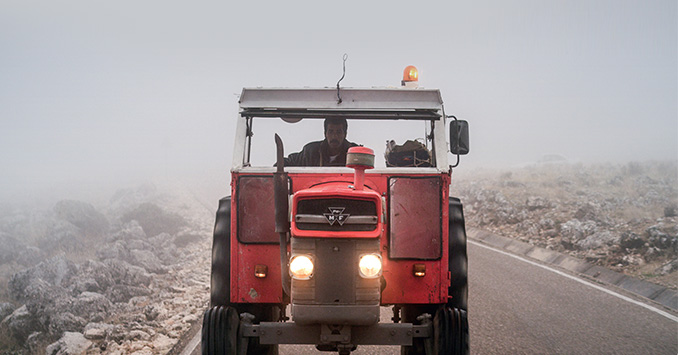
373	133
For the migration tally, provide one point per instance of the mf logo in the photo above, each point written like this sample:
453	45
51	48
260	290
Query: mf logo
336	215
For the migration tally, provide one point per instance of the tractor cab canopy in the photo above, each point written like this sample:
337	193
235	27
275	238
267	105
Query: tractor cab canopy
405	127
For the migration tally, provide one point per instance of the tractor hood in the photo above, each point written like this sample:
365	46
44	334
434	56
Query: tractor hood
337	210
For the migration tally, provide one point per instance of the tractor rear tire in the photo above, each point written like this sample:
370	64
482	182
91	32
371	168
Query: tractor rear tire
220	331
458	260
220	281
450	332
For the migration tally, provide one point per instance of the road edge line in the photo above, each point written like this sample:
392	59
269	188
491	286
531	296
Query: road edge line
582	281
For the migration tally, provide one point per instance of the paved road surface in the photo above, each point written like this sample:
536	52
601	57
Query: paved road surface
517	307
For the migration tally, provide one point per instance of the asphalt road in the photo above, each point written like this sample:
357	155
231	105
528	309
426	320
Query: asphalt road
520	307
517	307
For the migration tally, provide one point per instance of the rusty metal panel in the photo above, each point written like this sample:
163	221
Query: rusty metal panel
402	287
256	242
249	288
415	218
256	210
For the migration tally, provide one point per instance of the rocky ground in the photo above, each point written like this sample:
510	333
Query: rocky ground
622	216
130	277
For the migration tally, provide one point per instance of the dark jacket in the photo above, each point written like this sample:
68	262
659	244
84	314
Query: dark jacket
317	154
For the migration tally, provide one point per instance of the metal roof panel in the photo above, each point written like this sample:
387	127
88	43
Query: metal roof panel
352	98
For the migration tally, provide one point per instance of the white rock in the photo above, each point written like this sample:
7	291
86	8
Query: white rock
70	344
163	343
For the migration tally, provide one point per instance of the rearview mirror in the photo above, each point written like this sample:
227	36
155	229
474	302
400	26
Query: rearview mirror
459	143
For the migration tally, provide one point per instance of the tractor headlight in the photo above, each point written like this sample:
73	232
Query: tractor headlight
301	267
370	266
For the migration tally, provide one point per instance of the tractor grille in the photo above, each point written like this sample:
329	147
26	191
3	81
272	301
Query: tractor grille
334	214
335	271
335	280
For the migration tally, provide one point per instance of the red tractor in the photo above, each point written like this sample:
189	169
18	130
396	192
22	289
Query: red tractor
334	246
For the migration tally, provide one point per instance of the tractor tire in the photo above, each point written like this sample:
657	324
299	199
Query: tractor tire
458	260
220	281
450	332
220	331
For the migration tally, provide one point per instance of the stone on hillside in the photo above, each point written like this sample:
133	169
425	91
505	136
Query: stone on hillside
23	286
183	240
41	281
166	250
147	260
65	322
20	323
117	333
82	215
37	342
537	203
97	331
163	343
116	250
659	238
55	270
151	312
135	335
668	268
130	230
92	276
631	240
598	240
91	305
123	293
588	211
139	244
44	301
573	231
64	236
6	309
125	273
83	284
71	343
164	240
547	223
154	220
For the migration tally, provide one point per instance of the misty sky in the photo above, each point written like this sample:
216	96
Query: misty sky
94	91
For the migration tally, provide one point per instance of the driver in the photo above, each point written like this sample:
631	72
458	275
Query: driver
329	152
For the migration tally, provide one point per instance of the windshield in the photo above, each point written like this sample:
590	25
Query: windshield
370	133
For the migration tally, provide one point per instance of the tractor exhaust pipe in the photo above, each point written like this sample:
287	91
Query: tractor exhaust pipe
282	224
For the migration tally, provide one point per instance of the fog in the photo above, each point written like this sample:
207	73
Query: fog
95	95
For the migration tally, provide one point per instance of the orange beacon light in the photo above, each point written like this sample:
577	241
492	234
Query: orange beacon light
410	76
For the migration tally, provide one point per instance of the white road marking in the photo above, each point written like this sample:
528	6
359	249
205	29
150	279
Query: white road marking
615	294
